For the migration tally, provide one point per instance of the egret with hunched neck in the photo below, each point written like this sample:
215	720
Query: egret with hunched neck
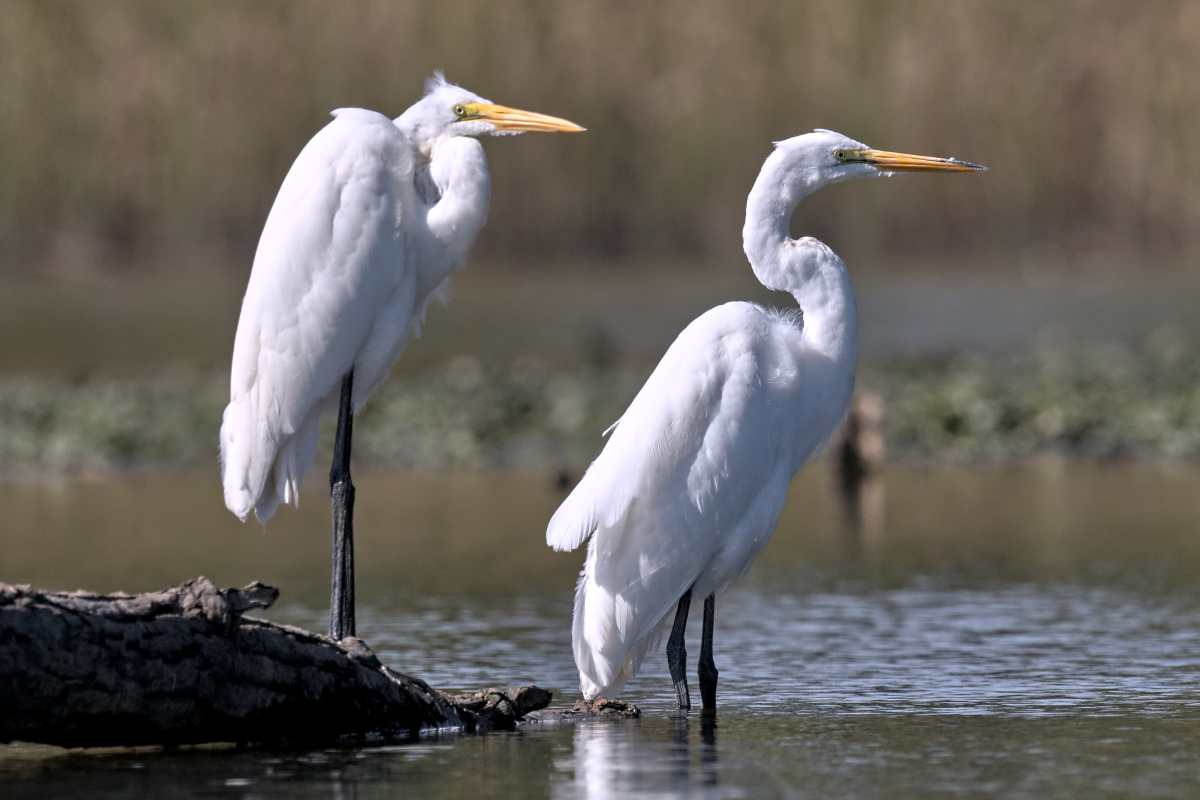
370	221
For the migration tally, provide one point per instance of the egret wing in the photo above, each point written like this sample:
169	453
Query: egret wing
679	437
331	255
688	459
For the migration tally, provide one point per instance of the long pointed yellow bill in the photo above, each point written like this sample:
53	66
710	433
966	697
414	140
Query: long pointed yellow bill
902	162
513	119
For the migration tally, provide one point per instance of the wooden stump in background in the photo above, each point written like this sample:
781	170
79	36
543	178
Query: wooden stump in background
861	455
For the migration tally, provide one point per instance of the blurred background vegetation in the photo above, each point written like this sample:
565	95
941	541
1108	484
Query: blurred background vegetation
142	143
141	134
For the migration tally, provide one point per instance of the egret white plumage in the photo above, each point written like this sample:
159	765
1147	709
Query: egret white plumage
370	221
691	483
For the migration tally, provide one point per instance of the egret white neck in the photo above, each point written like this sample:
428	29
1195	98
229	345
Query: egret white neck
805	267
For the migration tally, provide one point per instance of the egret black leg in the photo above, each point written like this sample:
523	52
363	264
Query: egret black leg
341	604
707	668
677	654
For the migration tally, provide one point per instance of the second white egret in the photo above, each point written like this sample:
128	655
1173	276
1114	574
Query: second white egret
370	221
690	486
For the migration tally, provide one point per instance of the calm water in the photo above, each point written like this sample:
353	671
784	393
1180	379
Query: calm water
1000	632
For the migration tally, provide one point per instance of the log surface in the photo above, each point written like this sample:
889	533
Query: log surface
184	666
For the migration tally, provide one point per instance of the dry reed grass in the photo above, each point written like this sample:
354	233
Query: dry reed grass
136	130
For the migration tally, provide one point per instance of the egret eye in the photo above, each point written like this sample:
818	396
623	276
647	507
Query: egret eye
459	110
840	155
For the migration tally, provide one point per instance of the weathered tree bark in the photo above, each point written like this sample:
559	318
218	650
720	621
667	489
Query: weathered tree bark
601	707
183	666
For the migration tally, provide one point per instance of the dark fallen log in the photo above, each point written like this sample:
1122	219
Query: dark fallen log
184	666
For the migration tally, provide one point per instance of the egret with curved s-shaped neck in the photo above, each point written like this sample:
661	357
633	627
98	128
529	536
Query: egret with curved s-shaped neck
370	221
692	481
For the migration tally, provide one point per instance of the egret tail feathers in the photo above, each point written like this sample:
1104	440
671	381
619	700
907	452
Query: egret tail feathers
261	468
602	630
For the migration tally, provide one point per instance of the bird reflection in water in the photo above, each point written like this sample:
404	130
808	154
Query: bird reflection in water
612	760
708	744
344	788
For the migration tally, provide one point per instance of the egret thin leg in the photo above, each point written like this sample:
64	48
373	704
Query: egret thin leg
341	604
677	654
707	668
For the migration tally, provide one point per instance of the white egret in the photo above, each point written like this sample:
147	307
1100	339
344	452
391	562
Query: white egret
370	221
690	486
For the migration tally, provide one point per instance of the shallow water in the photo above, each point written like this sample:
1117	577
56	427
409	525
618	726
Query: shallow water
997	632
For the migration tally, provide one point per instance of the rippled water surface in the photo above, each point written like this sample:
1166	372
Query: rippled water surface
996	632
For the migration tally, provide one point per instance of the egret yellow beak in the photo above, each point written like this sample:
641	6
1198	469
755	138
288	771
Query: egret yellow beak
902	162
513	119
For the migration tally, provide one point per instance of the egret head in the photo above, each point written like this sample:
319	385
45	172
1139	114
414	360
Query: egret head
823	157
447	110
798	167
